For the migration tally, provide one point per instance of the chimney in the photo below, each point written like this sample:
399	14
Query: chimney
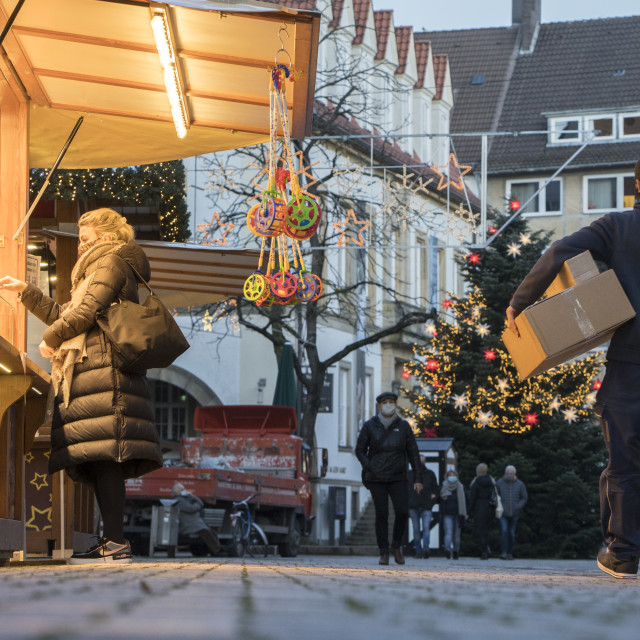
526	14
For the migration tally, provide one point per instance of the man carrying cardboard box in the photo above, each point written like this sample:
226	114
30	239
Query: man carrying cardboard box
615	240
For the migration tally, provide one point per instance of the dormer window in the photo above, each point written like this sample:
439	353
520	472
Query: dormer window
563	131
606	127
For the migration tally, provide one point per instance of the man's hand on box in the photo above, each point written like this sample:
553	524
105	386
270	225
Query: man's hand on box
511	320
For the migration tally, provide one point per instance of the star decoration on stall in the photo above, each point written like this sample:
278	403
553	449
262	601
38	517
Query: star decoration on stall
532	418
525	238
473	258
430	328
503	385
460	170
29	457
483	330
215	221
351	218
484	417
513	250
555	404
207	321
35	512
490	355
570	415
39	480
460	401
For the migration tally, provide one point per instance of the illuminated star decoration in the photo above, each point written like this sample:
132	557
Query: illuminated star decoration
215	220
525	238
555	404
447	303
460	170
483	330
405	375
207	321
513	250
431	365
484	418
304	171
492	230
597	384
489	354
461	223
590	399
532	418
460	401
430	328
404	197
473	258
39	480
344	239
502	385
570	415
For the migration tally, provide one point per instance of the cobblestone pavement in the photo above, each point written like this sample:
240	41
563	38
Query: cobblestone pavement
317	597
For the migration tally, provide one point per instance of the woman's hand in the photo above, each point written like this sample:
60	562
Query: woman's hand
45	350
12	284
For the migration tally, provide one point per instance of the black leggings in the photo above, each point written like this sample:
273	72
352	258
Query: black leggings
108	485
399	493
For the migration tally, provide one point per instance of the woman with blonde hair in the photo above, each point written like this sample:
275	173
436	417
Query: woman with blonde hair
103	425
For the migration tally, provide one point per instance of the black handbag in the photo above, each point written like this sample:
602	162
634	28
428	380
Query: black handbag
142	336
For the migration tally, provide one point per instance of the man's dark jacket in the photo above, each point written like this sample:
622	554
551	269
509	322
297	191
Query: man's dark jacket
423	500
385	459
613	239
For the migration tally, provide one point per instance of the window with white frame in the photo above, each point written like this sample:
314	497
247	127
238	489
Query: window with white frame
605	125
547	202
608	127
564	130
629	125
612	192
344	405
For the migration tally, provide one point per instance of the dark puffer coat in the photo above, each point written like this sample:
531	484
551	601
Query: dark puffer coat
109	416
385	459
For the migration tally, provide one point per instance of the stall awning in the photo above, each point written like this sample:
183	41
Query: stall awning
185	275
99	59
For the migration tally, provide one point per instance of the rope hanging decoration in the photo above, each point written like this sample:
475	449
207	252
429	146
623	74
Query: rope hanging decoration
286	214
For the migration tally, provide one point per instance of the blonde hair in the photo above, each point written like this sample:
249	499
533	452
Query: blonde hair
109	224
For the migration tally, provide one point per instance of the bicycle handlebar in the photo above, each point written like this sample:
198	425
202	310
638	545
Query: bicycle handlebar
246	501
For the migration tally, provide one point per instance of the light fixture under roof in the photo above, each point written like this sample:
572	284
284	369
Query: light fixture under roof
163	36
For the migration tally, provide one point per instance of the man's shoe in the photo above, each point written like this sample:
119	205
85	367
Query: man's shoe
456	556
104	552
509	556
384	558
397	555
503	556
484	556
447	555
426	554
615	567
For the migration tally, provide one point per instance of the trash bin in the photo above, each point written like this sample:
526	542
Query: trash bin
165	523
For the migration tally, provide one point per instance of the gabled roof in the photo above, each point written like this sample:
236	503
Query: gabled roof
360	14
403	42
422	61
440	63
336	7
383	20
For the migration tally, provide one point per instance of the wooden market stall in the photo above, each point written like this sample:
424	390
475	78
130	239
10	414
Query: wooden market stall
153	81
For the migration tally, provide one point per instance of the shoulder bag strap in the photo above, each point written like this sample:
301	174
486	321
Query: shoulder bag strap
144	282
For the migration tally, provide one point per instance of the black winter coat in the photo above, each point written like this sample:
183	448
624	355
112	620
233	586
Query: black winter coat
479	507
109	416
385	460
423	500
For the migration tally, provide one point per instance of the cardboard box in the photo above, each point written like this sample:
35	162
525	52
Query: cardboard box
568	324
573	271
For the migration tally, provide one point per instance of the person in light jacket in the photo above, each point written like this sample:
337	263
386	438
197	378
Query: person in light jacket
103	427
514	496
191	521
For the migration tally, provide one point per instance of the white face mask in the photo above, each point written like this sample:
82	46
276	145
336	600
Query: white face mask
388	408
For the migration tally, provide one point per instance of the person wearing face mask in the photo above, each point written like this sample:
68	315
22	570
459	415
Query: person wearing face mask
102	429
191	522
385	443
453	509
514	496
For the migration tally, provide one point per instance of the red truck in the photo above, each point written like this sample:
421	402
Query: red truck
241	450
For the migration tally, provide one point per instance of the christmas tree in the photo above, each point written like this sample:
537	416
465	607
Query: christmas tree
470	391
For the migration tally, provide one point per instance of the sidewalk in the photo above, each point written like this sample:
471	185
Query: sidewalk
317	597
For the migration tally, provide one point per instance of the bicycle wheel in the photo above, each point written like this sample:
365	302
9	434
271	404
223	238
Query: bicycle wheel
239	535
257	544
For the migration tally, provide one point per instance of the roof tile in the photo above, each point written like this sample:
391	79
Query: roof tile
422	59
383	21
360	13
440	62
403	42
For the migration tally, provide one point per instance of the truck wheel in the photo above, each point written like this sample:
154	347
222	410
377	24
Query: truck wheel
290	547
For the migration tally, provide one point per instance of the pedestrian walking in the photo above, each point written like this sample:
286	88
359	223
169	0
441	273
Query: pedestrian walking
102	428
420	508
453	511
384	445
513	493
191	520
613	239
482	494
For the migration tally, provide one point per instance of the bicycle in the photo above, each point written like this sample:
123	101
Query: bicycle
246	535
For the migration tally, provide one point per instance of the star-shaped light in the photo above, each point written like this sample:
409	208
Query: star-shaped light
405	375
447	304
207	321
476	310
492	230
215	222
460	401
502	385
431	365
473	258
483	330
484	418
532	418
596	384
430	328
555	404
570	415
429	433
490	354
445	180
525	238
590	399
513	250
351	217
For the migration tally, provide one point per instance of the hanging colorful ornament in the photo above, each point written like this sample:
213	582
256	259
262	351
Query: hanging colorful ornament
532	418
490	355
570	415
473	258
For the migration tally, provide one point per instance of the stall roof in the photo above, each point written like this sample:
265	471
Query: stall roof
184	275
434	444
98	59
